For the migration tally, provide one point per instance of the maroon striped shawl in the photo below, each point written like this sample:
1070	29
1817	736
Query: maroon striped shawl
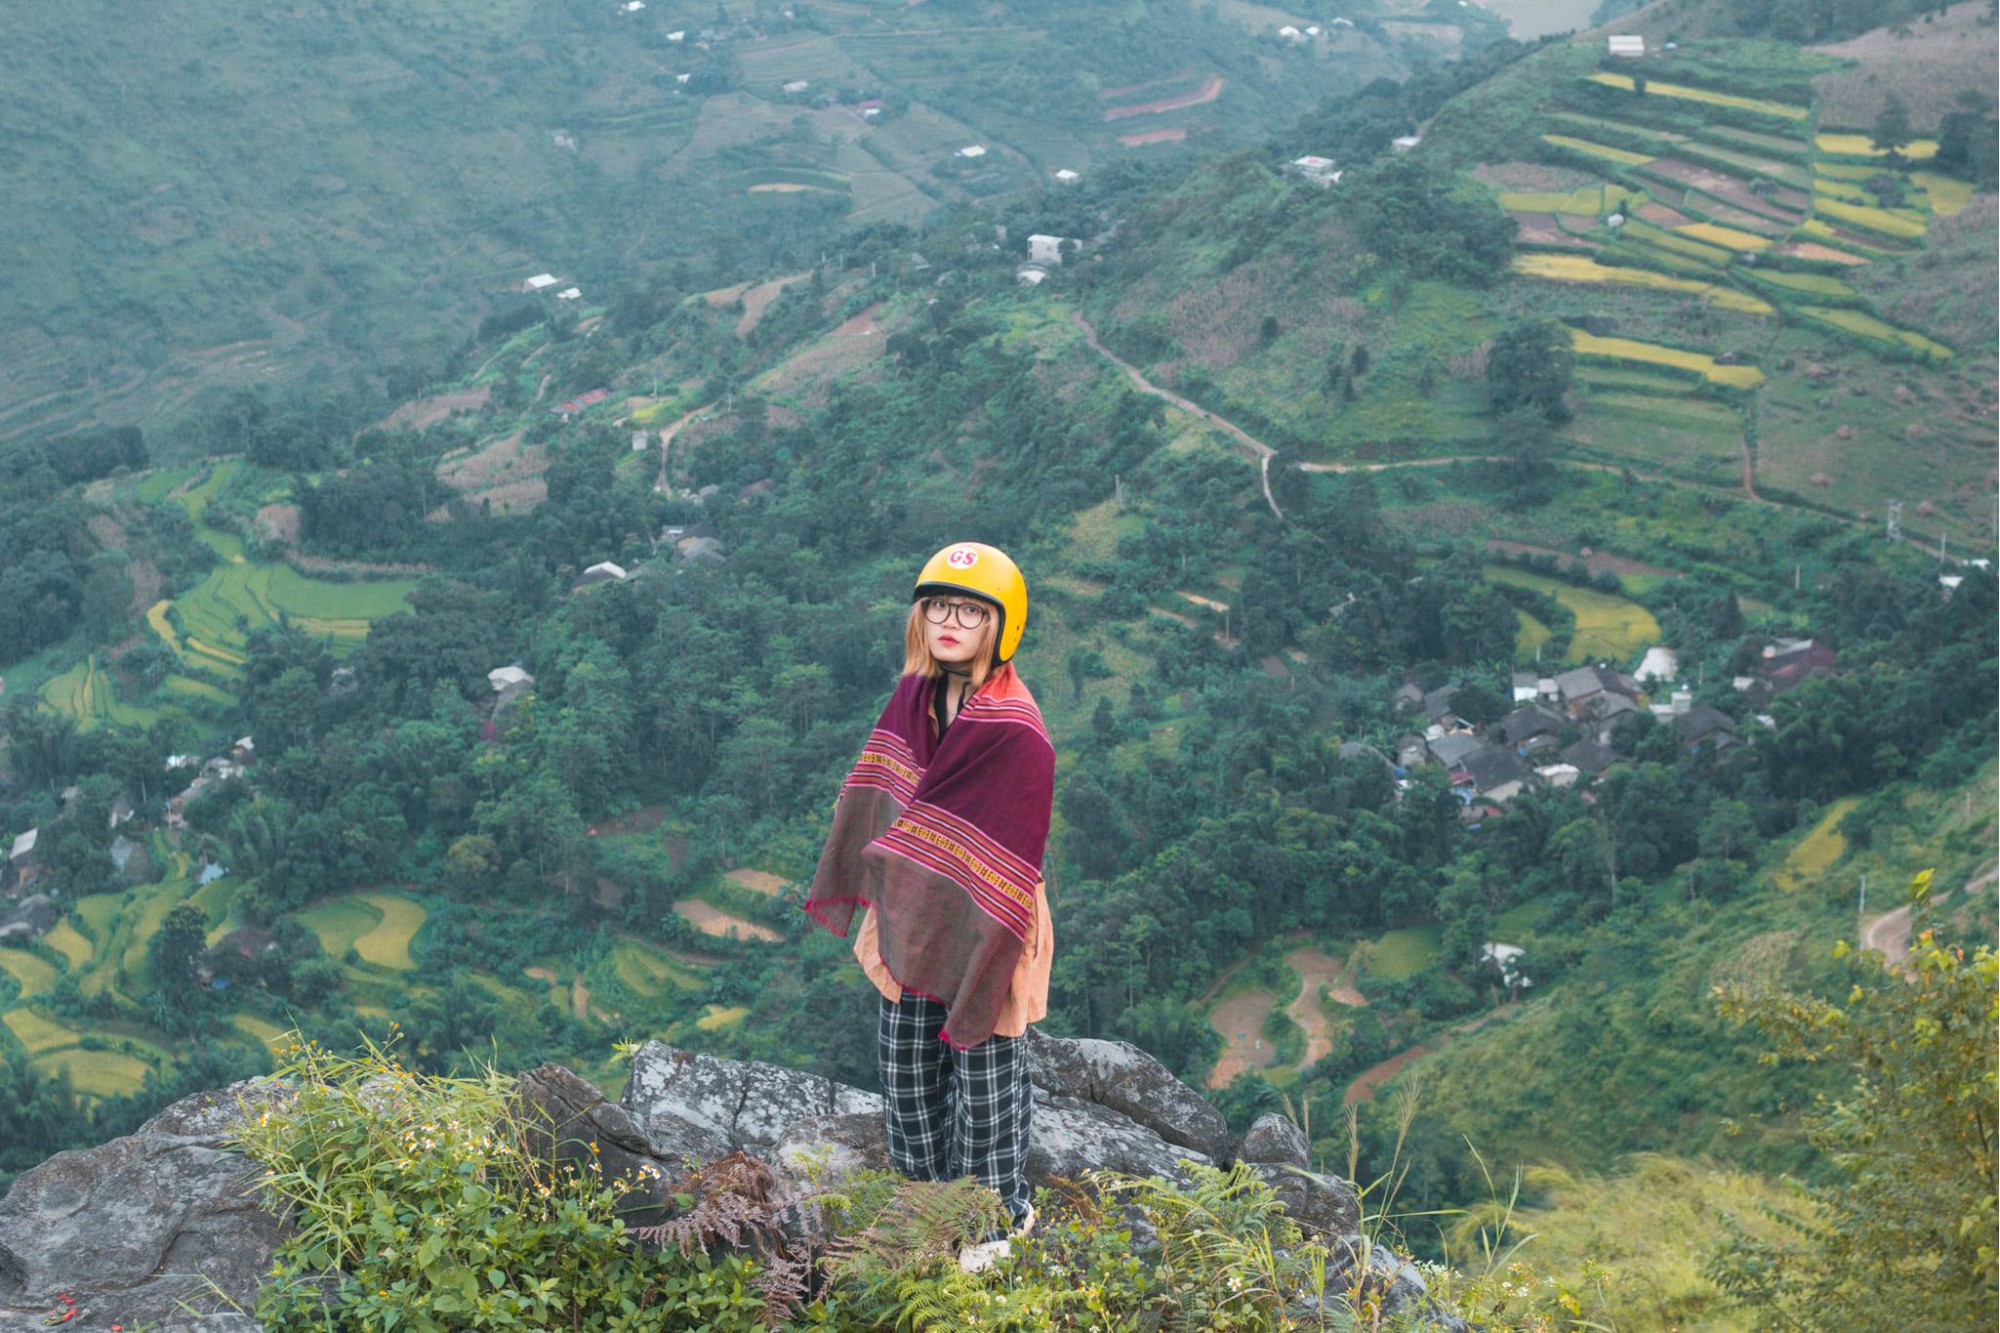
943	841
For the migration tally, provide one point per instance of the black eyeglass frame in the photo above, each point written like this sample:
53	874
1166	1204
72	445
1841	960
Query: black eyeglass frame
939	611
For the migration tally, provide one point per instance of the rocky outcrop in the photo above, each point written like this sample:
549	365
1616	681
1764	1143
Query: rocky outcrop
164	1226
159	1228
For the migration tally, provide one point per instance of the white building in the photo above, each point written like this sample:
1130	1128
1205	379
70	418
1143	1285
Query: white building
1047	249
1031	276
1627	48
680	36
1661	664
1067	177
632	6
1291	34
570	294
1319	171
501	677
1406	143
971	150
795	87
541	282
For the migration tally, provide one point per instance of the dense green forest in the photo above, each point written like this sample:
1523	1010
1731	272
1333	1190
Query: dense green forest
1448	463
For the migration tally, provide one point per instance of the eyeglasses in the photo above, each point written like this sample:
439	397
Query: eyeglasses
970	615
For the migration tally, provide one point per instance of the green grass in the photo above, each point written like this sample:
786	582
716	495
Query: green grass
265	1032
1518	921
1401	954
1607	627
1529	636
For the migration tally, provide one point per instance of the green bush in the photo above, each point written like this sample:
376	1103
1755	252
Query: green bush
418	1206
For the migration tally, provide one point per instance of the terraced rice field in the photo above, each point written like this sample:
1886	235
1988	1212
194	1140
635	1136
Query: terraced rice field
1582	268
723	925
1948	197
1860	145
1605	152
98	1073
1240	1020
34	974
88	696
38	1034
1608	627
1809	284
1589	345
1868	326
719	1018
648	972
262	1030
1814	855
1899	224
1585	199
72	946
1727	237
387	943
340	922
1655	88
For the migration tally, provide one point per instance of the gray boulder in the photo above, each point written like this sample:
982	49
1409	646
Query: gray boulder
1276	1149
1120	1077
698	1106
161	1227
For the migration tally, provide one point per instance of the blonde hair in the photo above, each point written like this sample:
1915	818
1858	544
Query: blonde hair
917	659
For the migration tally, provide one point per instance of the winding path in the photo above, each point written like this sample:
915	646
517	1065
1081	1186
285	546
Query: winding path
1258	449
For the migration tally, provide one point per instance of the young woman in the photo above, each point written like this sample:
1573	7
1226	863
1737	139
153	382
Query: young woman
939	834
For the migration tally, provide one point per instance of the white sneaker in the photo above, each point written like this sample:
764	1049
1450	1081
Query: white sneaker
978	1258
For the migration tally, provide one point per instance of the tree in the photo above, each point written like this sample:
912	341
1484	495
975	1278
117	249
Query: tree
1892	125
1529	366
172	952
1903	1238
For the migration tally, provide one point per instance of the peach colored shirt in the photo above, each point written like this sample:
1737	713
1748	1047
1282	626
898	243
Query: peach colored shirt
1027	997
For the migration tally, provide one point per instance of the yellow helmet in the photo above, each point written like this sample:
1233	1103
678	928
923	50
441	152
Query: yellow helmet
987	573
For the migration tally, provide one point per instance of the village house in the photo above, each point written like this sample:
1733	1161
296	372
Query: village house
1494	773
1406	142
1030	276
1451	748
30	919
1660	664
541	282
601	572
1706	726
1314	170
1064	176
1596	691
1790	663
1048	249
1632	47
971	151
1437	706
1591	756
1532	728
1505	959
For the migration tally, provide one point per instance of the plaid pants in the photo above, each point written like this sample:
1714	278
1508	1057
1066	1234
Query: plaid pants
955	1113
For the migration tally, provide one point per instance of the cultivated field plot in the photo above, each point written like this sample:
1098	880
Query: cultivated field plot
1608	627
1589	346
88	696
714	921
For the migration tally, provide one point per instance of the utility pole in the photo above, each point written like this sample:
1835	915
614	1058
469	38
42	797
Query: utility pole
1895	520
1864	897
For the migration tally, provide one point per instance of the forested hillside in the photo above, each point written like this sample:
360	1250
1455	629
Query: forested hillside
495	706
321	196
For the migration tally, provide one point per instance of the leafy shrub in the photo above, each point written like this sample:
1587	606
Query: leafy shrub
417	1206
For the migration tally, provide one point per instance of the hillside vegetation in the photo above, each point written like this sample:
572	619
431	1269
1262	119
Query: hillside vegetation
1619	357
